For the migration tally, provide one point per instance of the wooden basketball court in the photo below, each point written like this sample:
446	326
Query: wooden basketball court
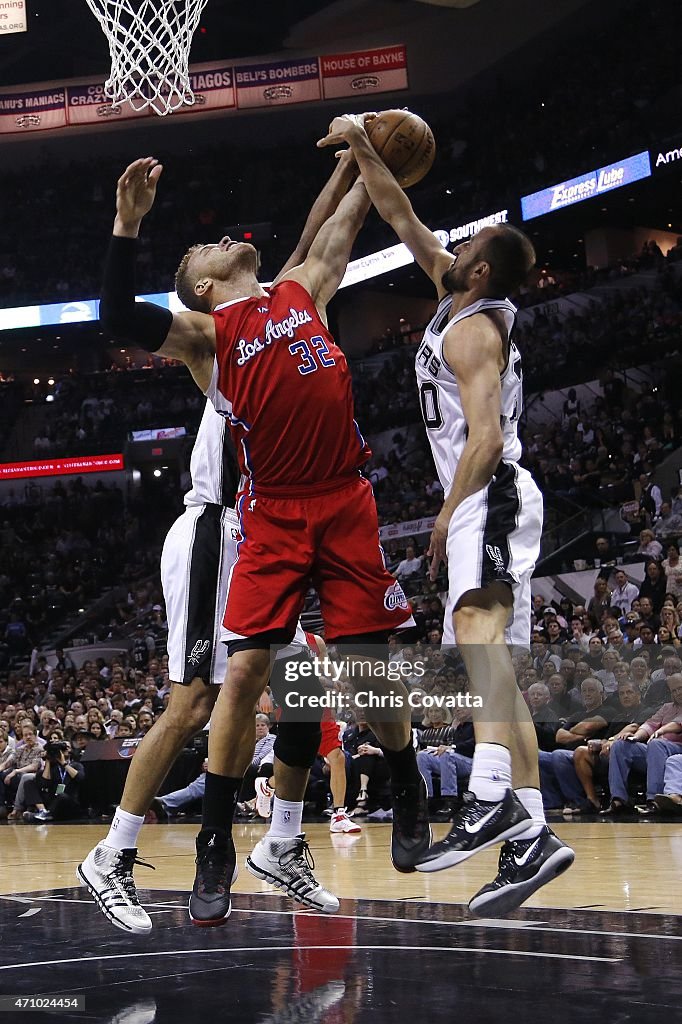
603	939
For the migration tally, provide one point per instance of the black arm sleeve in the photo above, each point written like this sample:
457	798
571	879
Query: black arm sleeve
136	323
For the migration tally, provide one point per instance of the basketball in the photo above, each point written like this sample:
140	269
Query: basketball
405	143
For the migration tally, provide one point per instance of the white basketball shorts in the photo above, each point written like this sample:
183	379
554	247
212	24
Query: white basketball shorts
198	554
494	536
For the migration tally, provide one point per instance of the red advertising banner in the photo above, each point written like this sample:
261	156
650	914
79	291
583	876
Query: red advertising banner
368	71
61	467
87	104
32	110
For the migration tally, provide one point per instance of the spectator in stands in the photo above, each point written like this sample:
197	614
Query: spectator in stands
24	759
650	497
623	594
647	615
544	715
445	751
412	565
670	800
658	690
647	750
599	603
672	567
653	587
590	762
604	552
171	803
668	525
365	762
670	620
590	723
649	546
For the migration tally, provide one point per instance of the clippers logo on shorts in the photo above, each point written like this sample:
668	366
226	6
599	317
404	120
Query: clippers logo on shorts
395	598
495	556
198	651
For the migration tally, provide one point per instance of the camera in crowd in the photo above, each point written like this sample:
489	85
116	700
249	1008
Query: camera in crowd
54	751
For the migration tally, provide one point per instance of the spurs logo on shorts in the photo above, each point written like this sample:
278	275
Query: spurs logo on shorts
198	651
395	597
495	556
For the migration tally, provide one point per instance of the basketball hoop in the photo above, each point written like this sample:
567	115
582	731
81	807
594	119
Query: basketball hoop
149	43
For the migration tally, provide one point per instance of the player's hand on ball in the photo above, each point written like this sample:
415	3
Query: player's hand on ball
436	552
136	190
342	128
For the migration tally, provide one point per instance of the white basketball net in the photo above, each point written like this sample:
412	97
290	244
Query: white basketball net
149	43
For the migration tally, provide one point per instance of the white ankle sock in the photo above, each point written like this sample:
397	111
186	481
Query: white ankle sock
125	828
532	800
286	819
491	772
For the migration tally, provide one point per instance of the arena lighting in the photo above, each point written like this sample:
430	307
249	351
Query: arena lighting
50	381
36	380
157	472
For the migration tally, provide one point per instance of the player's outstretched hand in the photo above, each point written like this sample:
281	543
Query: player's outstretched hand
342	127
436	552
136	190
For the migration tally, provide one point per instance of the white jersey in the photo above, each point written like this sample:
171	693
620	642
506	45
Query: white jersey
213	465
439	394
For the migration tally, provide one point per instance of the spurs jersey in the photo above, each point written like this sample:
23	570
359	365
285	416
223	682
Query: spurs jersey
439	394
285	388
213	465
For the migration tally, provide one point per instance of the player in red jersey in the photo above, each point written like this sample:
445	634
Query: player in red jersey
269	363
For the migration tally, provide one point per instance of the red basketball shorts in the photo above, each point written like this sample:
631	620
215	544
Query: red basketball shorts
330	738
329	540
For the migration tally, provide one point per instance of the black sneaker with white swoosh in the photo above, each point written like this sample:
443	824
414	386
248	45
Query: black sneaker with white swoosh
478	825
525	865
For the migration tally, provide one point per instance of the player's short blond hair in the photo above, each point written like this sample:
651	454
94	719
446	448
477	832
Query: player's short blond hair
185	282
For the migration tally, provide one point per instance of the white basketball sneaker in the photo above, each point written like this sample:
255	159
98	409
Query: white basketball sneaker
287	864
342	823
264	795
108	874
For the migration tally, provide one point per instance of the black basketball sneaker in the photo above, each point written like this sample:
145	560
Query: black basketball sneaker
478	825
525	865
216	860
411	835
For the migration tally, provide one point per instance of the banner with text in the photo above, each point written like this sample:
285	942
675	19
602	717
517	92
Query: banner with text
87	104
61	467
586	186
12	17
277	83
368	71
410	529
32	110
213	90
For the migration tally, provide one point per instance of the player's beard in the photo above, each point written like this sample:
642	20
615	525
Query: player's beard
453	280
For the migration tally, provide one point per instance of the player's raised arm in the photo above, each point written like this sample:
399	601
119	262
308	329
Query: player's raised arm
326	263
189	337
474	353
389	199
323	208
